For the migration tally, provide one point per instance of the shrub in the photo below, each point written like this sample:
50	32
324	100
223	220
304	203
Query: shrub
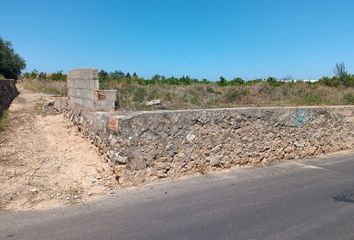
58	76
222	81
312	99
210	89
139	95
273	82
233	94
237	81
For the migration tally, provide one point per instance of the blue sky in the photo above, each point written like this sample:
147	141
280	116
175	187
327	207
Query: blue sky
199	38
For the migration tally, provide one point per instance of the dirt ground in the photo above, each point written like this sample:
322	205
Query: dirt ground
45	162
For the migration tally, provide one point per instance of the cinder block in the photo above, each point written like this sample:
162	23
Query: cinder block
104	105
87	104
82	93
75	101
83	74
107	95
83	84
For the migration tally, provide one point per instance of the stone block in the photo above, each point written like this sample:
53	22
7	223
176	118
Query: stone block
82	93
82	84
110	95
104	105
83	74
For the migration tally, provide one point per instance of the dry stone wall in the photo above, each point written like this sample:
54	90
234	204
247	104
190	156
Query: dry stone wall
145	146
84	93
8	92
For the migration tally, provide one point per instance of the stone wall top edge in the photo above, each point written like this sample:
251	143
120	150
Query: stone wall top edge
108	91
186	111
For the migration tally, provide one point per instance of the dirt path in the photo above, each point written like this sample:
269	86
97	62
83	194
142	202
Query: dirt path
44	162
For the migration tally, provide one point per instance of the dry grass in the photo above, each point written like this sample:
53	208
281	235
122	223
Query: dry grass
45	86
133	95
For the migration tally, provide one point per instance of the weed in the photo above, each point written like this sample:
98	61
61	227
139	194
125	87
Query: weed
3	119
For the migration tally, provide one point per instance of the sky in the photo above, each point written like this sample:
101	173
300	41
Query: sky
199	38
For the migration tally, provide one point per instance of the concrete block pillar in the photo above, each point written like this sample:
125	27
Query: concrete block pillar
84	93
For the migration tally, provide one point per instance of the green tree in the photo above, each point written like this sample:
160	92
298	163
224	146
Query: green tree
117	75
237	81
222	81
103	75
58	76
11	64
340	70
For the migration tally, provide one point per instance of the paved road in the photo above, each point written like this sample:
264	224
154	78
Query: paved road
293	200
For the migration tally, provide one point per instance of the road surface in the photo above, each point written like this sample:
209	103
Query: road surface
311	199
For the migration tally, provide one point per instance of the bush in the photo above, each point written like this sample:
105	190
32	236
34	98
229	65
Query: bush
139	95
237	81
11	64
58	76
273	82
312	99
233	94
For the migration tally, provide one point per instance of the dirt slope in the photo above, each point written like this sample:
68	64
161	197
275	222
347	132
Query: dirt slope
44	162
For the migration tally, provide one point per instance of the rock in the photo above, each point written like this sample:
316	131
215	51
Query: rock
153	102
191	137
116	158
34	190
289	149
161	174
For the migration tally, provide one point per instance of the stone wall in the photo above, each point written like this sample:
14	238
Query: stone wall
145	146
8	92
84	93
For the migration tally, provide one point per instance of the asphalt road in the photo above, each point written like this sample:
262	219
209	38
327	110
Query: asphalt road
293	200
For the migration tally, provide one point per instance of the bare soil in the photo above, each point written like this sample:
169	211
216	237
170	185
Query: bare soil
44	160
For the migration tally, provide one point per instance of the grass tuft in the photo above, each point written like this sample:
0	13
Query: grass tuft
3	119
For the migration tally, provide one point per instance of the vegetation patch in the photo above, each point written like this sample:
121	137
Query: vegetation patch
186	92
3	119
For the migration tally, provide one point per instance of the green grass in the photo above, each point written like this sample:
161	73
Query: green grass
3	119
